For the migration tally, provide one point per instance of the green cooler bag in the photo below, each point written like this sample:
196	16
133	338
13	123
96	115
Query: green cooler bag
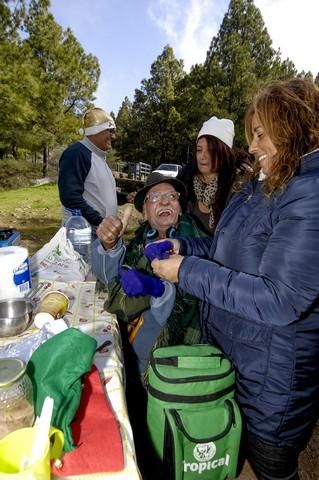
193	419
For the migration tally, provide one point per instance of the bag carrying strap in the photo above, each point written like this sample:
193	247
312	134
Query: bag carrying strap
199	362
211	363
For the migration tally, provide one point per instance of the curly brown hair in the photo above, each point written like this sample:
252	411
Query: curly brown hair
289	113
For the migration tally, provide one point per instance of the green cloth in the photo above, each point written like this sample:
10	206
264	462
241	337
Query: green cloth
56	369
183	326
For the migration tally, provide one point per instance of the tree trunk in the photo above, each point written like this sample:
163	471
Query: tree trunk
14	150
45	161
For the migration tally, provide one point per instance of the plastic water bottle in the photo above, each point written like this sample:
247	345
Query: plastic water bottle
79	232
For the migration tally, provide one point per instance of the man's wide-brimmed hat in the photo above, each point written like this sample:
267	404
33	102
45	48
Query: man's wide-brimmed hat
96	120
154	179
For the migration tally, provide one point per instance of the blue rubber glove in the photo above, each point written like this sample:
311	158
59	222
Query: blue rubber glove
135	283
158	250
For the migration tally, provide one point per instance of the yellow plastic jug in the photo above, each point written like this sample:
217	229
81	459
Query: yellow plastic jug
15	449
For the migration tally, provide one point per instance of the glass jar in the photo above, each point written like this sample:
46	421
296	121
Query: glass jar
16	396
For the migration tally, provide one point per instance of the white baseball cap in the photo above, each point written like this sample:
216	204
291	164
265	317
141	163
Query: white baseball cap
96	120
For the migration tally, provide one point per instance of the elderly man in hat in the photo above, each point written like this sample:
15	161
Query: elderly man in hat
85	181
169	316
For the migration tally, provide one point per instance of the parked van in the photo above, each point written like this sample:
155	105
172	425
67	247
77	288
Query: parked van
168	169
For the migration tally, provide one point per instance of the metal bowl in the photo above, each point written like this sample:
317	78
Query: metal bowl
15	316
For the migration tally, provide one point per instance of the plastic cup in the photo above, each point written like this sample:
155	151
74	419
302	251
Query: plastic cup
15	449
53	305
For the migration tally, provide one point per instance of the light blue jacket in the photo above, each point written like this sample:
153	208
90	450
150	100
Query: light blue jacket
105	266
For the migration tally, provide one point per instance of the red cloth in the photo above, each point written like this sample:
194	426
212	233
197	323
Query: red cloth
96	432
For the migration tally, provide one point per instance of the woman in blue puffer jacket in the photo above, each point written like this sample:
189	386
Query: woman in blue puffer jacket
258	278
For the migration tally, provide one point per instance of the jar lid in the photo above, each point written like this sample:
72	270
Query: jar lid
11	369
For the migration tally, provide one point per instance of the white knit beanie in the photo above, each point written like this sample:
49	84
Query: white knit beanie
221	128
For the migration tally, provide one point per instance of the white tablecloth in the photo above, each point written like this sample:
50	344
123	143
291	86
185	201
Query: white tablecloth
86	313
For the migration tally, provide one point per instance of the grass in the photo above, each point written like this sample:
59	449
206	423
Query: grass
36	213
20	173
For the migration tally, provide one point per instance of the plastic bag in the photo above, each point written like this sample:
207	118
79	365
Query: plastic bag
57	260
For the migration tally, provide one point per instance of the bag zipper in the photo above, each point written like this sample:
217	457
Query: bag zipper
179	424
175	398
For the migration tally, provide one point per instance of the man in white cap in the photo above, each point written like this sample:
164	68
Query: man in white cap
86	182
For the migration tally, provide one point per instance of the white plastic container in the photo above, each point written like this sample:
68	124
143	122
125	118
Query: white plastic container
15	278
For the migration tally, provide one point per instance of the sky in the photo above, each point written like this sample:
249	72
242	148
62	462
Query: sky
127	36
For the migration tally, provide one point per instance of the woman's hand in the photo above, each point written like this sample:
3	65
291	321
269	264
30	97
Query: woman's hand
109	231
168	269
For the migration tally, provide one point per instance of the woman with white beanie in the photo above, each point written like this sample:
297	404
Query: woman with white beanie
211	174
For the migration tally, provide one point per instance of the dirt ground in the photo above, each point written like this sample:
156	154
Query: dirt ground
309	460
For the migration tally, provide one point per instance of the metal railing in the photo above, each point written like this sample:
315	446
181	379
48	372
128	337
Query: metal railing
139	171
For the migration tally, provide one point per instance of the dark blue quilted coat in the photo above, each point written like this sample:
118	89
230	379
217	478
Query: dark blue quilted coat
261	301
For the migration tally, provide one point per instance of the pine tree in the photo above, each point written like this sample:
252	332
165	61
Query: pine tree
124	143
241	59
155	119
18	84
67	77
